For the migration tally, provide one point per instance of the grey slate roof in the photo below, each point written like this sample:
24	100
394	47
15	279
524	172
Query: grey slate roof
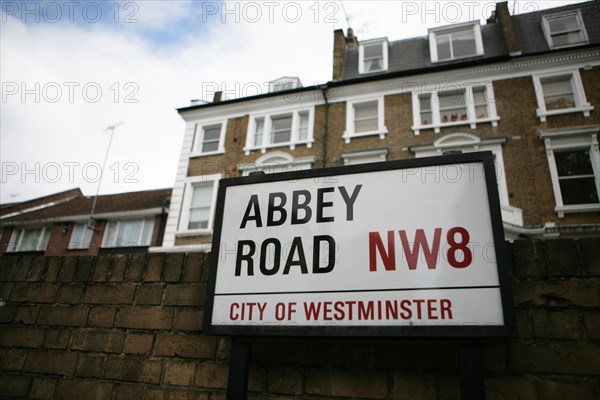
413	54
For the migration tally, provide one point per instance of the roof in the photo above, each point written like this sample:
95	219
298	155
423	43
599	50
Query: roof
413	54
40	202
106	204
529	26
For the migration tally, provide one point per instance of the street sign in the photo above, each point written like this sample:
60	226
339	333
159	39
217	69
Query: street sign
400	248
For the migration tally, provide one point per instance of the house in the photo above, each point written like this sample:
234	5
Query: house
69	223
525	87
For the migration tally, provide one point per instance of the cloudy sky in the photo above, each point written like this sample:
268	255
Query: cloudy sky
71	69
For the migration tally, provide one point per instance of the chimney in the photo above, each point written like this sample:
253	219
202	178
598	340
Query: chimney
217	97
340	44
507	28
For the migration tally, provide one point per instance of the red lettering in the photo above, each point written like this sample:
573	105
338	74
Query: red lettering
419	303
462	246
376	245
412	256
327	311
406	311
312	311
431	308
339	308
231	312
446	304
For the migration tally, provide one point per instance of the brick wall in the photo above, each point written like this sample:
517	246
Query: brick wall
129	327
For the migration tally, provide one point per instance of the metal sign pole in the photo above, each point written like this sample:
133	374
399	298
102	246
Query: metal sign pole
239	367
471	372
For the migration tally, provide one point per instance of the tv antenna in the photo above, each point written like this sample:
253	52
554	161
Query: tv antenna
111	130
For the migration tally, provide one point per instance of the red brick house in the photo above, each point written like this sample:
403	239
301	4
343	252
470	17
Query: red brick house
63	223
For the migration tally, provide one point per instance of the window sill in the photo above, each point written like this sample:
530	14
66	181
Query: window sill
210	153
349	136
195	232
292	146
373	72
579	208
472	123
585	109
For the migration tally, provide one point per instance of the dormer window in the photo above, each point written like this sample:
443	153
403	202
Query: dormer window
456	42
373	56
564	29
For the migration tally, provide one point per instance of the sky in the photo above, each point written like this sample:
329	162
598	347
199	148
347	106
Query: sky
74	71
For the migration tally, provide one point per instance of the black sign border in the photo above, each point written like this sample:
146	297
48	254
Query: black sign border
457	331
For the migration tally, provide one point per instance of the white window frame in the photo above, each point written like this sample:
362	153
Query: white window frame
199	130
266	135
381	130
435	32
365	157
581	103
572	139
187	202
548	33
383	42
16	238
108	243
472	120
81	242
467	143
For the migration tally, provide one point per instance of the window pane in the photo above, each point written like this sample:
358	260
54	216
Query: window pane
281	129
14	240
479	97
32	240
303	126
452	106
463	44
579	191
147	233
558	93
129	233
212	133
574	162
365	117
81	236
566	38
200	206
563	24
425	102
443	47
365	110
373	51
365	125
258	132
202	195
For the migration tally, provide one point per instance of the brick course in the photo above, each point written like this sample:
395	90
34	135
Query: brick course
140	336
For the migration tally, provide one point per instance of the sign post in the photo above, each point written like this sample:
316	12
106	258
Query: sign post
410	248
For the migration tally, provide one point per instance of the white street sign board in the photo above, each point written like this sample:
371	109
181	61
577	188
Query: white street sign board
397	248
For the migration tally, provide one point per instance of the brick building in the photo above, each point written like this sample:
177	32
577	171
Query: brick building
526	87
69	223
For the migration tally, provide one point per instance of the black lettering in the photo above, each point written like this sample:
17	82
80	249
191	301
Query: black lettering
296	246
317	269
240	256
276	256
322	204
252	205
296	206
350	201
276	207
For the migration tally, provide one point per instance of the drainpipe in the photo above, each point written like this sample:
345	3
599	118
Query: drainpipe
326	123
